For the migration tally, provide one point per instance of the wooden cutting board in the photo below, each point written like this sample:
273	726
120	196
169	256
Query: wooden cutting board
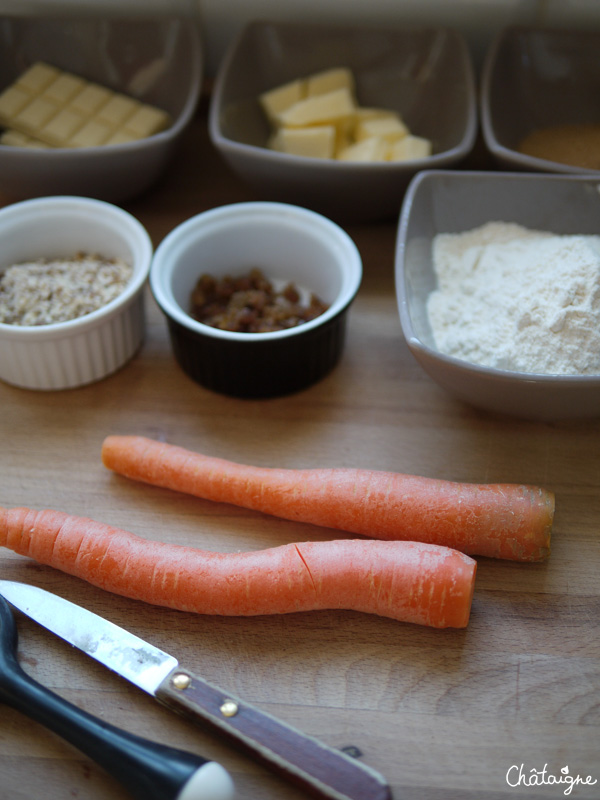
473	714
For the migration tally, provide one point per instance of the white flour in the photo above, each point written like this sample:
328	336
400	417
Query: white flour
518	299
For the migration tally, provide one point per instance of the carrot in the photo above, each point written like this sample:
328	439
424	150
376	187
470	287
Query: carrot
407	581
500	520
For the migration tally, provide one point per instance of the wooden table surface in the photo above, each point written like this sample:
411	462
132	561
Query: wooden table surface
444	715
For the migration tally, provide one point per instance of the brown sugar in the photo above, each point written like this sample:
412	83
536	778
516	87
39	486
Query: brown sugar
577	145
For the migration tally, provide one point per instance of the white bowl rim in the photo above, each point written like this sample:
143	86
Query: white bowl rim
161	260
416	344
126	221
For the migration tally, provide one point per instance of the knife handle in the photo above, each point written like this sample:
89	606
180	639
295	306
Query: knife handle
320	770
150	771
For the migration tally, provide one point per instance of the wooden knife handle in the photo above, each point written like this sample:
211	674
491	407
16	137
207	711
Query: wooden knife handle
303	760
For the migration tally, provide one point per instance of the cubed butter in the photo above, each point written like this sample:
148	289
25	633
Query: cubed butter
344	132
408	148
367	151
372	112
319	110
329	80
315	142
278	100
318	116
391	128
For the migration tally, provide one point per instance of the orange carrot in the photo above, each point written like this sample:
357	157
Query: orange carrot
408	581
500	520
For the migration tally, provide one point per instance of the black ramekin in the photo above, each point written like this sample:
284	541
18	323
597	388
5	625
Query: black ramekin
288	243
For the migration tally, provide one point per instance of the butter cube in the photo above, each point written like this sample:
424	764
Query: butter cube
328	80
315	142
368	150
276	101
344	132
408	148
372	112
391	128
319	110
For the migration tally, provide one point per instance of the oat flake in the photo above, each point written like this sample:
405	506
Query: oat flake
56	290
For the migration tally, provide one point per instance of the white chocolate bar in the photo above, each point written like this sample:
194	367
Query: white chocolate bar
59	109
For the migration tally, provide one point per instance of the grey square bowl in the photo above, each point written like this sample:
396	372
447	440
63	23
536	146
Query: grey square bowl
424	73
159	61
453	202
534	78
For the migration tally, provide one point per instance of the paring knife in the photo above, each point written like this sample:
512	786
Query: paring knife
301	759
150	771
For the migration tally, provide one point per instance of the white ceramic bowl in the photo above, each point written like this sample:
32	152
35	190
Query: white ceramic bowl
424	73
288	243
454	202
80	351
159	61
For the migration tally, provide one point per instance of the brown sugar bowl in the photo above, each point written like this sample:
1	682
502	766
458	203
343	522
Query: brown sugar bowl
539	110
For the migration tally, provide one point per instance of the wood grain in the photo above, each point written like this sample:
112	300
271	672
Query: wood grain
442	714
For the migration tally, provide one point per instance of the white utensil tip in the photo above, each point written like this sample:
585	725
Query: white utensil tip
210	782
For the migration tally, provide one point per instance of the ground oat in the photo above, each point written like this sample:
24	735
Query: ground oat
56	290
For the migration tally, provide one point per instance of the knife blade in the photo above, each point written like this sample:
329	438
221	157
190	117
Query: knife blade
319	769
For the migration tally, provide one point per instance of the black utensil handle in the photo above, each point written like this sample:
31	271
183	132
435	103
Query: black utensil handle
317	768
148	770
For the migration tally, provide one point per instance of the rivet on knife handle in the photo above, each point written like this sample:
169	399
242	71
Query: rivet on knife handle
311	764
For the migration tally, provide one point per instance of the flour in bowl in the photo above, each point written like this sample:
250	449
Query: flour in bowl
518	299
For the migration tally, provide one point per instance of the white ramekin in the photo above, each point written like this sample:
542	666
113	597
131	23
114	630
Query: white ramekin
74	353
